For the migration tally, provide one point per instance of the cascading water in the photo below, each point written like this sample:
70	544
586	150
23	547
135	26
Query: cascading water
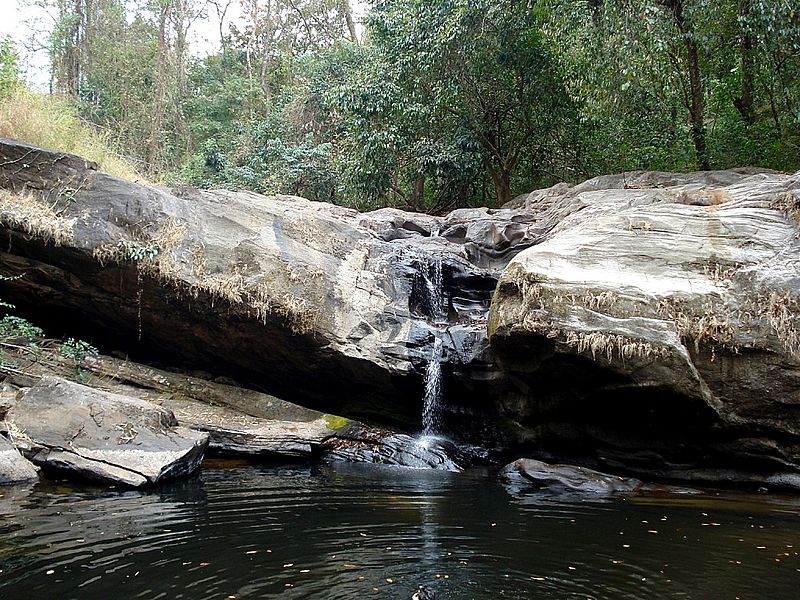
431	405
434	287
437	305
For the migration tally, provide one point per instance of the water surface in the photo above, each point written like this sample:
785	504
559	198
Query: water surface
375	532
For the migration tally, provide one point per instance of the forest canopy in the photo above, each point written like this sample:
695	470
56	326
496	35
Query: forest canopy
421	104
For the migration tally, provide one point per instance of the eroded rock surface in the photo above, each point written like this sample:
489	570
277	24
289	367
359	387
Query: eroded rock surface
313	302
658	328
14	468
568	477
357	443
74	429
646	321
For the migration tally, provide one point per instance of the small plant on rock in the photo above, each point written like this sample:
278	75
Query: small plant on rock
12	327
78	351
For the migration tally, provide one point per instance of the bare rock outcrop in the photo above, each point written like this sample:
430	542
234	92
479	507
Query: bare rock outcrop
659	327
313	302
14	468
76	430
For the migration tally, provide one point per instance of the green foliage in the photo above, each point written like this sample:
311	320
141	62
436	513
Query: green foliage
17	327
136	251
443	103
78	351
9	68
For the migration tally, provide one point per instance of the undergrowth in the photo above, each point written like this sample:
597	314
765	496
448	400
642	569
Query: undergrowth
51	122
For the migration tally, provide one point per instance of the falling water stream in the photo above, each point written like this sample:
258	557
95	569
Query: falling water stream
437	304
432	402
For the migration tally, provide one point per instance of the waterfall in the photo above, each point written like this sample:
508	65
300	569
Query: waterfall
437	305
432	402
434	287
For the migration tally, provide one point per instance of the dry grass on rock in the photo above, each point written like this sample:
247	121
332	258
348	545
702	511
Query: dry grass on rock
26	213
51	122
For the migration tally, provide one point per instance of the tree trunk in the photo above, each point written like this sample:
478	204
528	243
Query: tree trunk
183	19
418	194
71	59
348	17
159	89
501	177
696	104
744	103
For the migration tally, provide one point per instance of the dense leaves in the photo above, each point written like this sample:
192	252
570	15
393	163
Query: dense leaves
437	103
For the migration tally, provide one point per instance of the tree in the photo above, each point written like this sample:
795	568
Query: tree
480	66
9	67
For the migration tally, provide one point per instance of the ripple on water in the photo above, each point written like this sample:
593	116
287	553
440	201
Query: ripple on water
344	532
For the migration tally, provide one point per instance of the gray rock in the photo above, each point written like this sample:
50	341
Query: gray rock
362	444
660	327
568	477
14	468
313	302
232	432
76	430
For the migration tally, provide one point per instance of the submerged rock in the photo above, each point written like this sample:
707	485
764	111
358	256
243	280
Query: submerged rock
14	468
358	443
568	477
76	430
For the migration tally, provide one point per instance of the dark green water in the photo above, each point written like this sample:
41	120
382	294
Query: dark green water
370	532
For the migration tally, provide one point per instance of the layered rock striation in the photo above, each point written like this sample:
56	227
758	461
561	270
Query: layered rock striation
642	323
659	327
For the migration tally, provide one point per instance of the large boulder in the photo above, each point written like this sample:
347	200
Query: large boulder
658	328
313	302
76	430
242	422
14	468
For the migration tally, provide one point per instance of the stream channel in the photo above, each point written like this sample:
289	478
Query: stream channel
237	530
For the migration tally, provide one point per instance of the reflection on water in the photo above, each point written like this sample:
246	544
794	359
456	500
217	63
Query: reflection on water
358	530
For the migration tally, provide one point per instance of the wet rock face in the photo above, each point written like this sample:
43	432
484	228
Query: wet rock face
658	328
532	472
362	444
79	431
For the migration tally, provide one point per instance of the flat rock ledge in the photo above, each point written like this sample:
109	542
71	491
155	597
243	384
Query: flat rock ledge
14	468
246	423
76	430
568	478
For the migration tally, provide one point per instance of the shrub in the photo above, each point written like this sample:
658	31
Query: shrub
52	122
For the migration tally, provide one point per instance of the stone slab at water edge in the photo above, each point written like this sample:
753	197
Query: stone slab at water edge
76	430
568	477
14	468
